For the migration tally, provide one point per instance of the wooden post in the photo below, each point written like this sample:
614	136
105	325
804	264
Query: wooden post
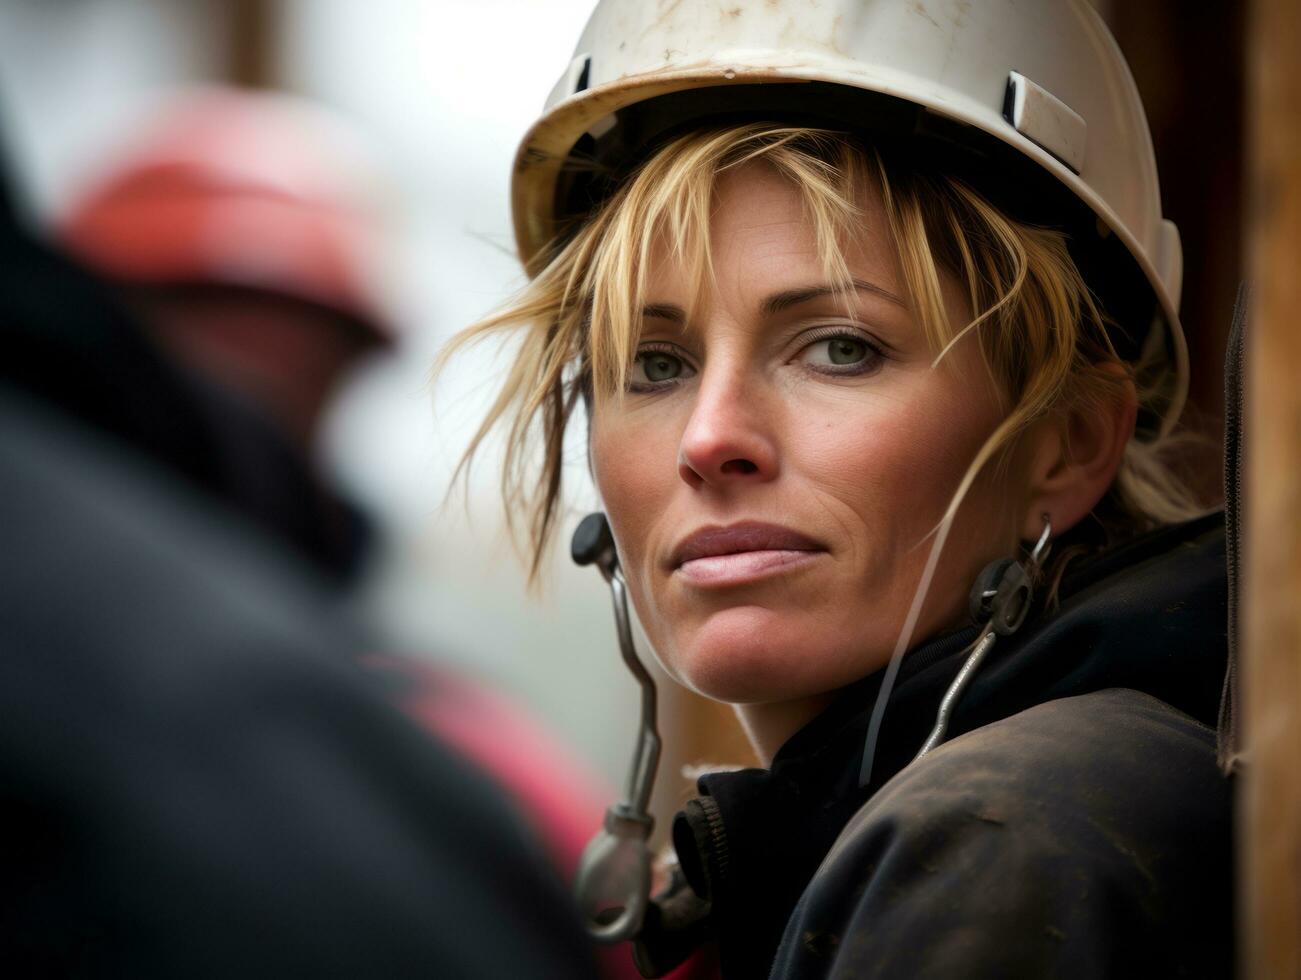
1270	792
251	30
1196	118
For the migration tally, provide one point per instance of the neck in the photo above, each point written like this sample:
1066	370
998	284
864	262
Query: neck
769	726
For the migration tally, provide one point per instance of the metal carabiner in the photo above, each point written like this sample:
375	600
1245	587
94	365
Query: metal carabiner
1002	597
614	875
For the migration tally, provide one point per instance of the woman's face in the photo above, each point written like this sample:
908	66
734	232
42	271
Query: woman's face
774	472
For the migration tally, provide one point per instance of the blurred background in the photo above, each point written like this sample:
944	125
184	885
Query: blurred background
427	99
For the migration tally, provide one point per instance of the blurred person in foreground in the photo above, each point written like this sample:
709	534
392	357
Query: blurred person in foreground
245	232
200	775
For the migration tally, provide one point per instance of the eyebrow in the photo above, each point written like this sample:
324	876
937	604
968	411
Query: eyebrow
664	311
793	297
778	302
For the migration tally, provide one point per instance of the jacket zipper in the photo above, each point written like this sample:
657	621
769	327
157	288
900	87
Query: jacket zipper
717	839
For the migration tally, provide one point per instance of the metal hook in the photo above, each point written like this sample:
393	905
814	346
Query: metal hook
614	879
1006	599
1038	554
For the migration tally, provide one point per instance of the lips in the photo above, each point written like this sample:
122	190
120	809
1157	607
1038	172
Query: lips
741	552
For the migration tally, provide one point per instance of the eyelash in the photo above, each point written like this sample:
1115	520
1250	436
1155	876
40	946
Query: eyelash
869	364
660	348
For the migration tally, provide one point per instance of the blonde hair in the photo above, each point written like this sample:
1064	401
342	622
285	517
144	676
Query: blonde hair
1043	338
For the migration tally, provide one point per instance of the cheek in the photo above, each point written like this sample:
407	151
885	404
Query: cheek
633	464
884	471
893	462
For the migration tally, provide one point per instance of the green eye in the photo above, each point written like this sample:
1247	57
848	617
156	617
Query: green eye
845	350
841	354
661	367
656	367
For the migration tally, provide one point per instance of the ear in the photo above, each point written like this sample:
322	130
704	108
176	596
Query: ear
1074	457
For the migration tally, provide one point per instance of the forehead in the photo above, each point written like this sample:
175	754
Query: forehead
762	225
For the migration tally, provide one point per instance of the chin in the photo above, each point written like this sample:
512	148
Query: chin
749	654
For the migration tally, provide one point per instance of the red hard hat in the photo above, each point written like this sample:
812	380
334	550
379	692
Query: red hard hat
242	189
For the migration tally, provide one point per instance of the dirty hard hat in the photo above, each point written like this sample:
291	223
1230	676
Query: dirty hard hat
1030	100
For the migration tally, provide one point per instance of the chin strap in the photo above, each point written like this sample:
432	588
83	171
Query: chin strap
614	875
1001	597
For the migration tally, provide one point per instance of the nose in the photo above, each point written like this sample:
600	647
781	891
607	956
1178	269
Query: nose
729	435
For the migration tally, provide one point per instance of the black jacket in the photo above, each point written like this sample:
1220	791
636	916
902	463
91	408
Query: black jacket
69	345
196	777
1075	823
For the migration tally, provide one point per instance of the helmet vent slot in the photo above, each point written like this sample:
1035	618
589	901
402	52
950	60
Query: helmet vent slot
1045	120
583	80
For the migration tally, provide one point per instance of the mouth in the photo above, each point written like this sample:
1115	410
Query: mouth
741	553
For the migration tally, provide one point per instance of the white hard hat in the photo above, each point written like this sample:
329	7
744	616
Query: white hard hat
1032	95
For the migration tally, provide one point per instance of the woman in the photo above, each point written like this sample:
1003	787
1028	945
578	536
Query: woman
871	309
